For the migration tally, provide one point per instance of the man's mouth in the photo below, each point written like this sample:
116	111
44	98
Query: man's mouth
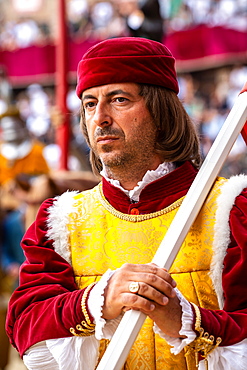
106	139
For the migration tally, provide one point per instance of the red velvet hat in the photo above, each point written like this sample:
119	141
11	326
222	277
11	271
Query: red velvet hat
127	59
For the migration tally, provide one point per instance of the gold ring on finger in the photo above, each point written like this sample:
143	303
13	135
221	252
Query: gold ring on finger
134	287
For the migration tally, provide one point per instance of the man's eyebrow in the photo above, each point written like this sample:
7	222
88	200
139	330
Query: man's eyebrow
88	96
109	94
117	92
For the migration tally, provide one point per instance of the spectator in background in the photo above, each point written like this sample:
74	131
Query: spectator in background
5	86
22	33
38	116
78	18
5	89
13	228
18	152
147	21
237	76
106	20
230	13
26	32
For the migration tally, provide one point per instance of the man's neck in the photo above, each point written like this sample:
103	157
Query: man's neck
130	175
127	179
150	176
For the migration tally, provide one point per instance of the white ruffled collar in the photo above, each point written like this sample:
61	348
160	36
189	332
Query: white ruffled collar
150	176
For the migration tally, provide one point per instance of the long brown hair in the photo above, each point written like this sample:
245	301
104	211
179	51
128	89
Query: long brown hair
177	139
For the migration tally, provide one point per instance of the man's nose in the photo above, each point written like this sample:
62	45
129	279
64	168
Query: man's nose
101	115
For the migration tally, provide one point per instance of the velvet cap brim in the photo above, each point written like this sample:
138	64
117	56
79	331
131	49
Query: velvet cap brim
127	59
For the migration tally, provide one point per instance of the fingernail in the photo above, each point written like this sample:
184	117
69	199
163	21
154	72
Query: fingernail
152	307
173	293
165	300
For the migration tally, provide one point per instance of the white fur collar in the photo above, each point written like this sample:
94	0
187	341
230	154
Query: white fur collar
58	223
229	191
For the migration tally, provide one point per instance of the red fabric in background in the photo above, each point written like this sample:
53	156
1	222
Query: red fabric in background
27	64
195	48
37	63
203	41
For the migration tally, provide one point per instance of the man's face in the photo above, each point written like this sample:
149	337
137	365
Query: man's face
120	128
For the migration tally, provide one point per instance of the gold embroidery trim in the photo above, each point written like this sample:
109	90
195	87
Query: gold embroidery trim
86	327
204	343
135	218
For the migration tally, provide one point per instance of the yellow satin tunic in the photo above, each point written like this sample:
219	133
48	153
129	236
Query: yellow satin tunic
102	238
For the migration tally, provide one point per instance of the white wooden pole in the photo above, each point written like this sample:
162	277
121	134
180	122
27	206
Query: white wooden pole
132	321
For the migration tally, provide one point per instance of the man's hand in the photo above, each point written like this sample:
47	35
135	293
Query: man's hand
156	296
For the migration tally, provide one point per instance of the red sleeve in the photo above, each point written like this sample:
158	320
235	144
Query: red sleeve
47	302
231	323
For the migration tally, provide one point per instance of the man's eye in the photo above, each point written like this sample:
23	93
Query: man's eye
89	104
121	99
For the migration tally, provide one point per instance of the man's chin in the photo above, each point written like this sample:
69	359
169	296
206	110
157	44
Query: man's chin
112	159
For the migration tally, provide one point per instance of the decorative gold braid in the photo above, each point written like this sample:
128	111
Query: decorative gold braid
134	218
204	343
83	304
198	317
86	326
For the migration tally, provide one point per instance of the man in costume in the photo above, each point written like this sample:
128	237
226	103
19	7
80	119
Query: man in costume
87	254
20	157
19	153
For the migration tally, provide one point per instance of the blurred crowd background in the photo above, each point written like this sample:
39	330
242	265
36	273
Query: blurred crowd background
112	18
30	168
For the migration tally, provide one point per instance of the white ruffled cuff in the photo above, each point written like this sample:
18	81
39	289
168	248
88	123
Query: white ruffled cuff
104	329
187	322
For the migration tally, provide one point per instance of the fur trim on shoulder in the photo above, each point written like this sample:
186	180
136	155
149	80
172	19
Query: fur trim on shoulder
229	191
57	222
